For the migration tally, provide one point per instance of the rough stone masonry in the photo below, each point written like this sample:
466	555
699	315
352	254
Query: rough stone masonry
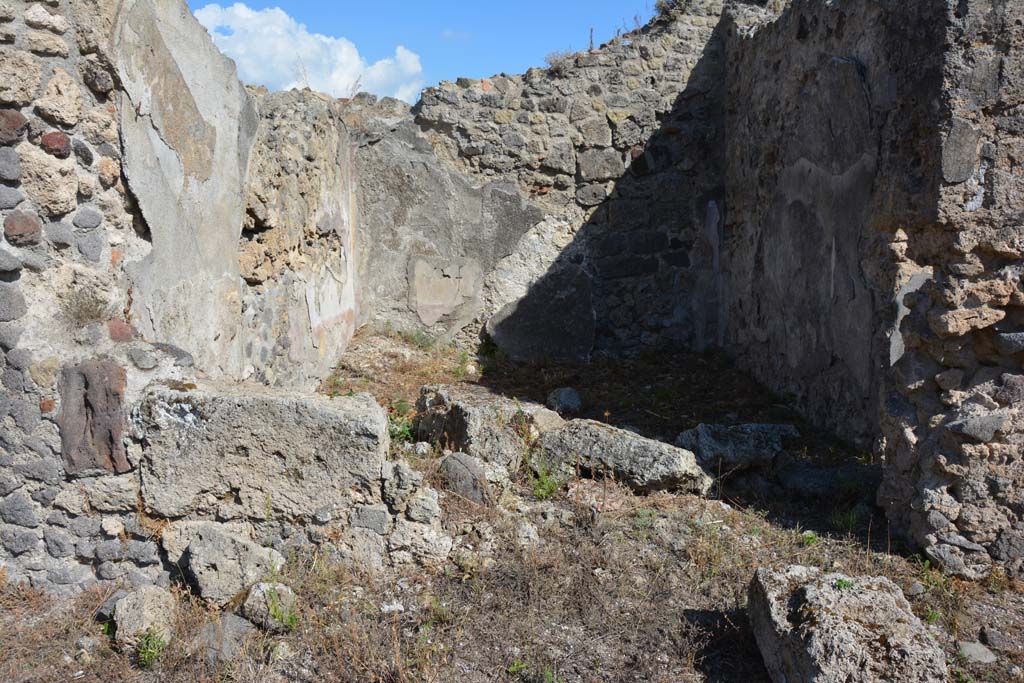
829	192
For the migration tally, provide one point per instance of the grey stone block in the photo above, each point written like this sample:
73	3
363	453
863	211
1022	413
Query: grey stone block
10	164
12	303
19	510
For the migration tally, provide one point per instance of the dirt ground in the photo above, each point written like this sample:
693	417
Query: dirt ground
618	587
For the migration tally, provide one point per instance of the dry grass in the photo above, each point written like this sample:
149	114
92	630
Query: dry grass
42	636
84	306
620	588
393	366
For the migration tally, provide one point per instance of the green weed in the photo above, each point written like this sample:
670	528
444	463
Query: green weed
150	648
488	348
288	618
400	428
809	539
644	518
460	370
418	338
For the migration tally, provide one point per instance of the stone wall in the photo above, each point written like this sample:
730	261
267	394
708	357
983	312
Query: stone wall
125	144
814	188
72	358
953	420
618	148
871	260
829	144
298	252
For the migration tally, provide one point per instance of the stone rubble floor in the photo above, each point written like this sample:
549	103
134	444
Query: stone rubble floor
591	584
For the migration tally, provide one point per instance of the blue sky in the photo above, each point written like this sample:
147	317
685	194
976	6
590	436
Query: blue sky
395	47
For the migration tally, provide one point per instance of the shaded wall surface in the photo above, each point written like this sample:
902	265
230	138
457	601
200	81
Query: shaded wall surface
621	149
953	414
831	148
871	251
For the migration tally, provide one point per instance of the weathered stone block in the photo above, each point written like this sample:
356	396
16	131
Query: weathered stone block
601	164
223	641
57	144
19	77
50	182
46	44
62	101
10	197
476	422
177	536
92	420
248	452
223	566
19	510
829	627
22	229
721	449
12	303
601	450
38	17
12	126
10	165
147	610
466	476
960	152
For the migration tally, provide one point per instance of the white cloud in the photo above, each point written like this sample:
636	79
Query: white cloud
274	50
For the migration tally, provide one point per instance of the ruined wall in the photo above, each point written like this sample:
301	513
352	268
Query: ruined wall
619	150
186	126
816	189
125	142
871	250
830	157
953	420
298	253
428	234
72	357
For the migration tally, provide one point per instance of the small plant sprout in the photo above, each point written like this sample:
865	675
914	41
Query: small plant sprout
288	618
559	62
809	539
544	486
400	427
150	648
845	520
843	584
644	518
84	306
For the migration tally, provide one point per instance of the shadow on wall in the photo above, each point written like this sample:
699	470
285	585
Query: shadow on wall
763	216
641	272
